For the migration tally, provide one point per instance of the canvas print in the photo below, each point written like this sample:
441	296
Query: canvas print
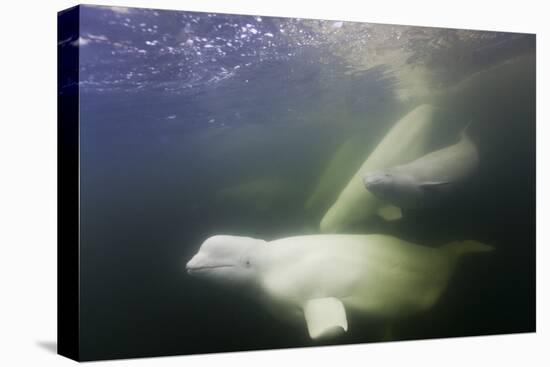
236	182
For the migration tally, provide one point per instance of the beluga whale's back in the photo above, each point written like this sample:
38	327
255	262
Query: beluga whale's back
320	278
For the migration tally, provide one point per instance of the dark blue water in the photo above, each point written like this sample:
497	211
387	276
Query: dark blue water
196	124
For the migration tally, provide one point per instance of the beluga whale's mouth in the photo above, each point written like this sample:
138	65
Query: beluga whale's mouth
197	269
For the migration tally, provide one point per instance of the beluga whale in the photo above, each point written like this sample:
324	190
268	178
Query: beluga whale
428	180
319	279
407	140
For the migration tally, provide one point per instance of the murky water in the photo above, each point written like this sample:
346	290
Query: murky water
196	124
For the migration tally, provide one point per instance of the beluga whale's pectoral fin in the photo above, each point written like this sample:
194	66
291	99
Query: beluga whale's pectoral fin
390	212
325	317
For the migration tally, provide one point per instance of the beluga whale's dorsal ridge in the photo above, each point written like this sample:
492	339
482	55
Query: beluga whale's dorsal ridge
427	180
328	276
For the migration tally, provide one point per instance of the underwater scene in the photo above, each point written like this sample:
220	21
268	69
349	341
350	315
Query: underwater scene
252	182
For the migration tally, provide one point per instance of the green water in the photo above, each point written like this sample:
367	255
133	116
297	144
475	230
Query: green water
174	149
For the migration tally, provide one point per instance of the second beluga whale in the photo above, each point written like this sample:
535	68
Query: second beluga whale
407	140
319	279
428	180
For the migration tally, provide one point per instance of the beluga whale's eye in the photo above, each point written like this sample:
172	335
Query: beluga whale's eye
247	263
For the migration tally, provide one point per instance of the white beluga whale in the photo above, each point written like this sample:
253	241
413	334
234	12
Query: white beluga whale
322	278
406	141
428	180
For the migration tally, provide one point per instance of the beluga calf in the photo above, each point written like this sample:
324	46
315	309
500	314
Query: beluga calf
426	181
319	279
407	140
